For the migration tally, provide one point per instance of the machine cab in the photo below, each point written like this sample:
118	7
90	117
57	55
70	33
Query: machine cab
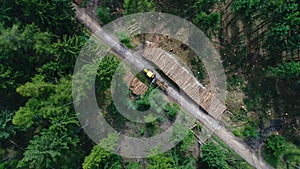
149	73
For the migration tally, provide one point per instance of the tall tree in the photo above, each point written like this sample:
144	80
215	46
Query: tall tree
49	149
7	9
63	57
246	9
205	19
53	15
7	129
136	6
106	71
49	108
205	5
22	50
47	100
208	22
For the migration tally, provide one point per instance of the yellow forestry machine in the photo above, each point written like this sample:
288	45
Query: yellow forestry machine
155	81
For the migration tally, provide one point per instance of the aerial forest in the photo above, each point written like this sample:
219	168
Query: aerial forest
259	45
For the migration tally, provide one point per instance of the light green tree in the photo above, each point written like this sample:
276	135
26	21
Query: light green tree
100	157
51	146
46	101
160	161
214	156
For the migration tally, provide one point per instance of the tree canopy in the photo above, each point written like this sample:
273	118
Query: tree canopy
40	40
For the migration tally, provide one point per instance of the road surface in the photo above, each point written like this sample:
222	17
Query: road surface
209	122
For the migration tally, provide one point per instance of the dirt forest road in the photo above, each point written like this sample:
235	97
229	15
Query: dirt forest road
209	122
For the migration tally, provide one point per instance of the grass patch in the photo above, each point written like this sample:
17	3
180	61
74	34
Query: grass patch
238	132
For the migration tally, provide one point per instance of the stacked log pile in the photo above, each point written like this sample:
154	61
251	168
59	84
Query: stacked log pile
185	80
135	85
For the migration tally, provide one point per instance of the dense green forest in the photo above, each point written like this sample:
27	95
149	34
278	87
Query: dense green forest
259	43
